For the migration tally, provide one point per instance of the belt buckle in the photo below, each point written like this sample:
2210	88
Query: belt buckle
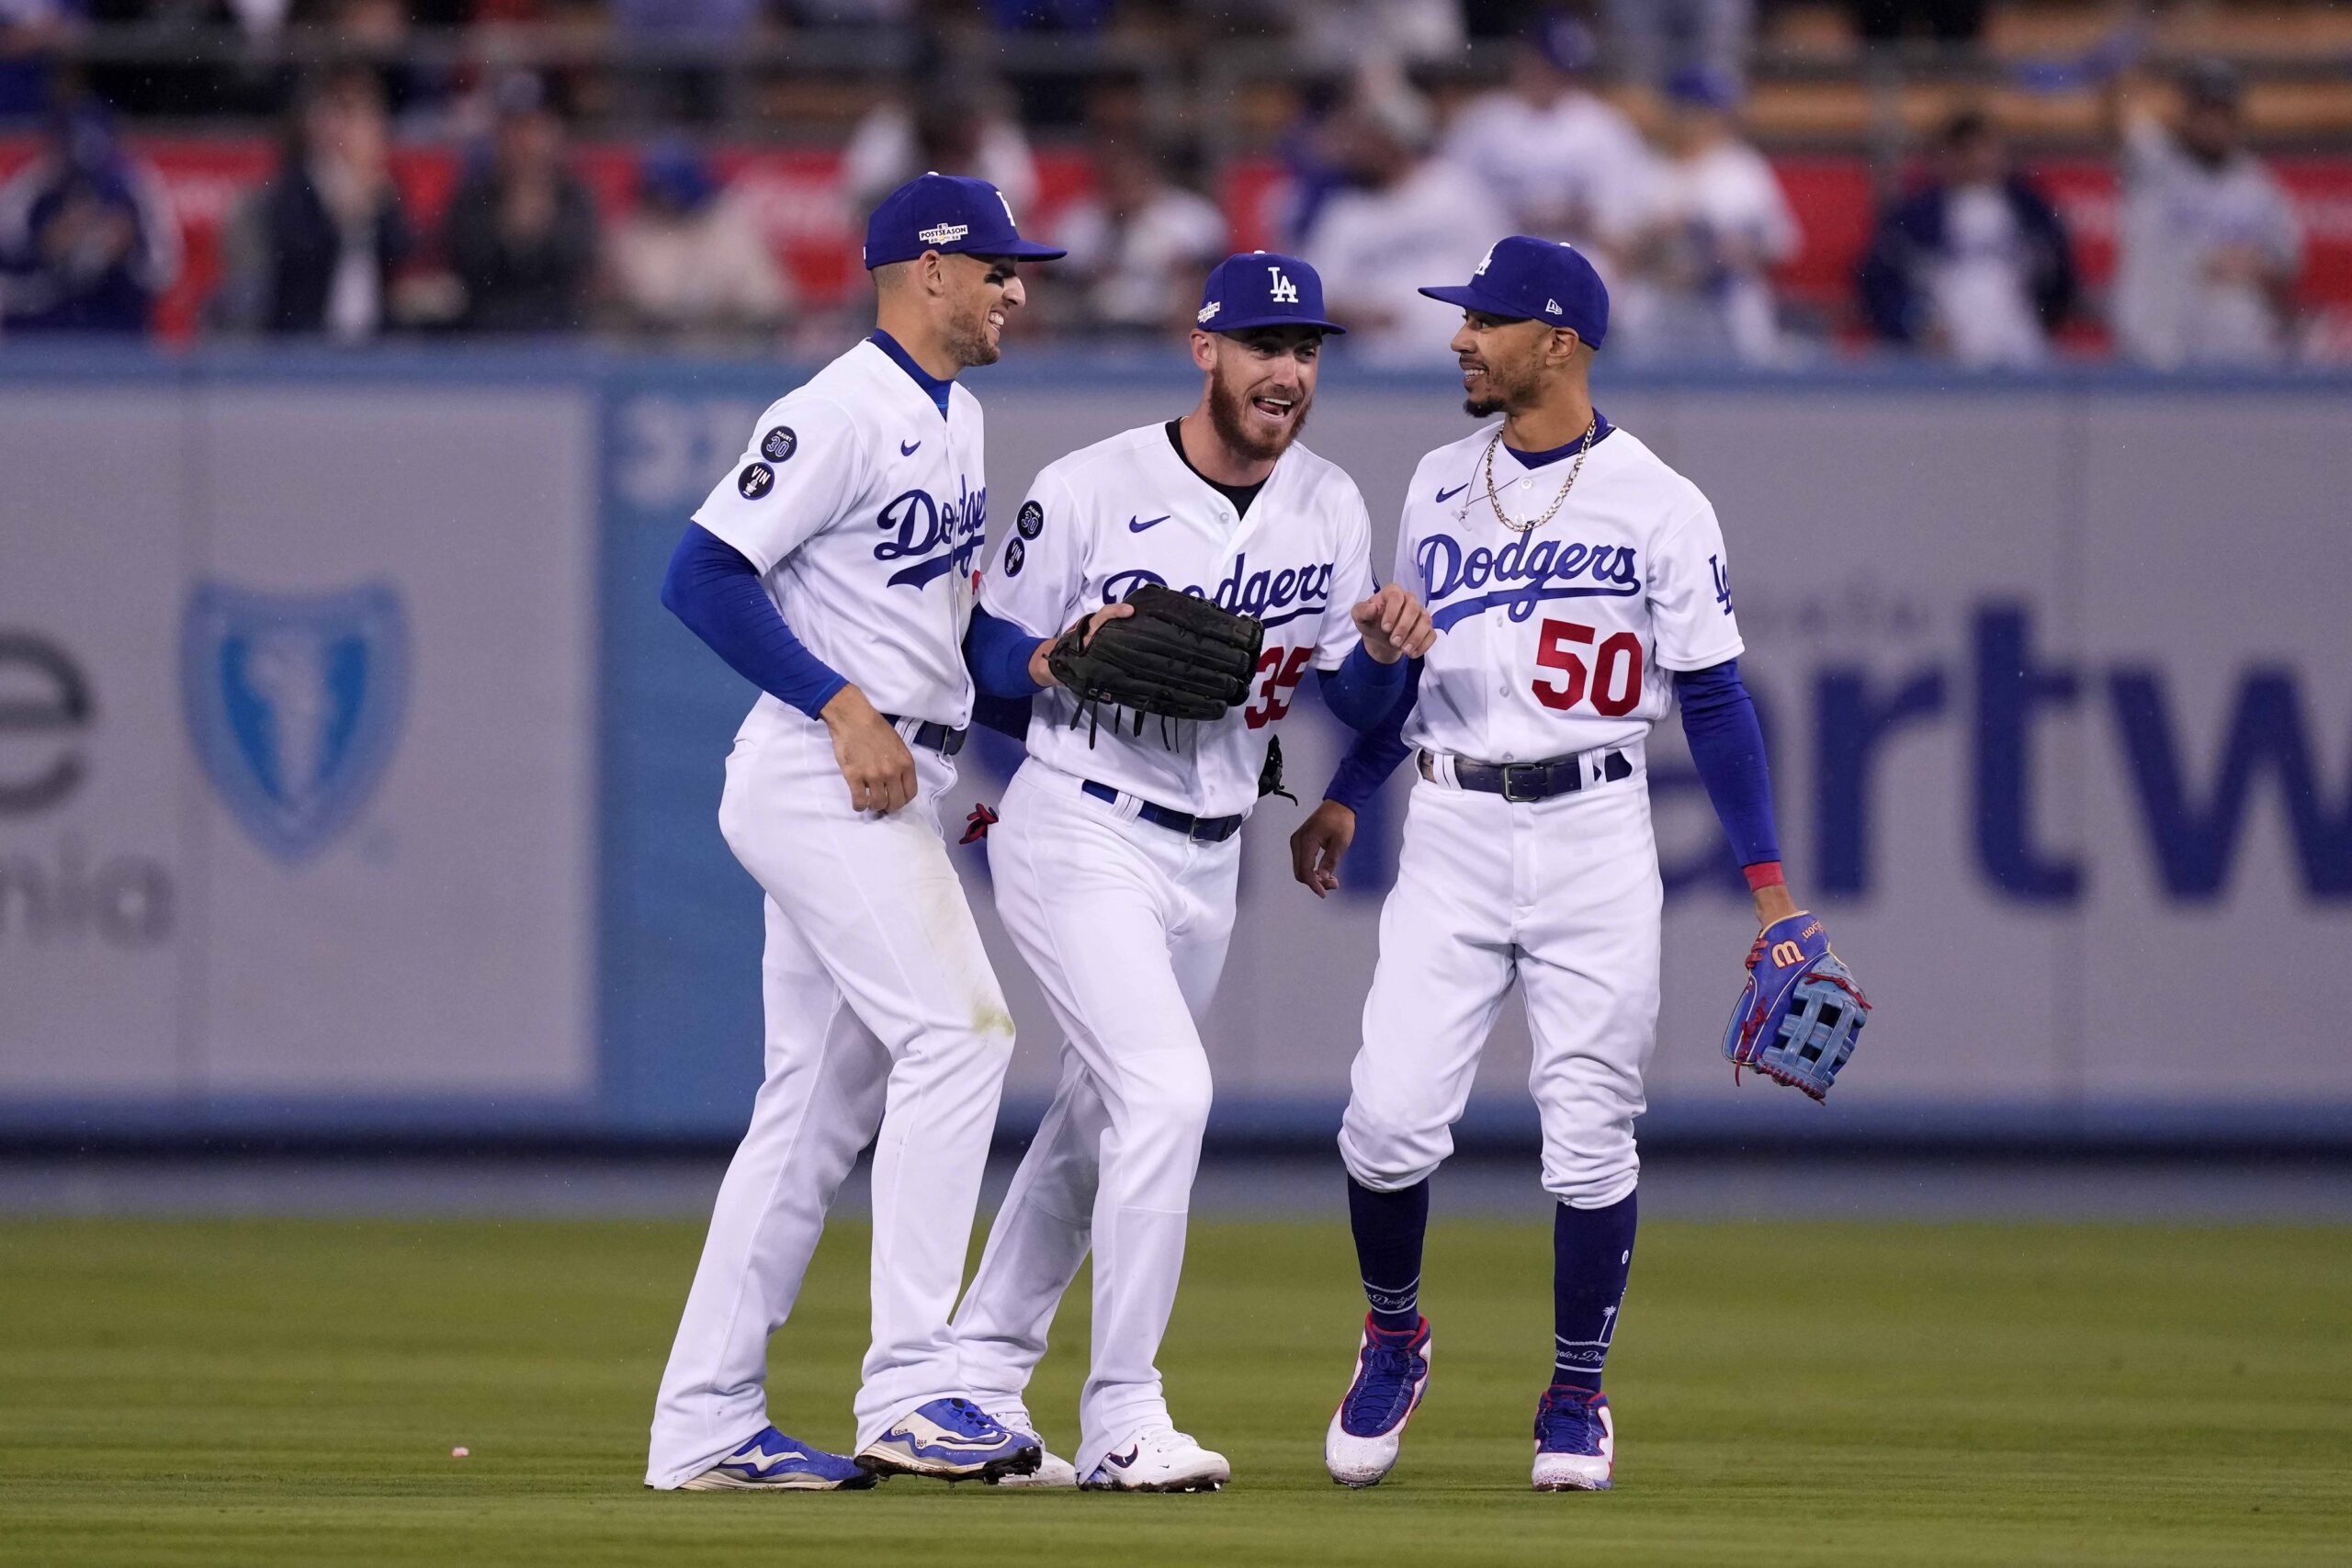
1198	831
1512	767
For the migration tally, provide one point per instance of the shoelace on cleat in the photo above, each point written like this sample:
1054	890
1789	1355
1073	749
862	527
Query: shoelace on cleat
971	1420
1386	1384
1569	1425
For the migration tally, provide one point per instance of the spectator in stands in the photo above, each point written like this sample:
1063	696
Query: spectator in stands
317	248
1403	218
1658	38
88	241
957	124
31	31
1712	224
691	261
522	229
1565	161
1975	265
1140	246
2208	246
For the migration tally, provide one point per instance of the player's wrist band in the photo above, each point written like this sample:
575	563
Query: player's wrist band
1762	874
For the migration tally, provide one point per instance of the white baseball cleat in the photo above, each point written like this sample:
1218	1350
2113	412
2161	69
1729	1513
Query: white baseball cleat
1367	1430
1576	1442
1159	1459
1052	1471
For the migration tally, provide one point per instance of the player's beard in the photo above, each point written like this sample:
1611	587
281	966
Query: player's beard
1502	394
969	340
1229	417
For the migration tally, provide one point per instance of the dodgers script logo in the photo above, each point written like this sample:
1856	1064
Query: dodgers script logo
1274	597
920	525
1548	569
294	702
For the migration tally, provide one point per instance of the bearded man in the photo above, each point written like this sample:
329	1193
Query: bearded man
1115	858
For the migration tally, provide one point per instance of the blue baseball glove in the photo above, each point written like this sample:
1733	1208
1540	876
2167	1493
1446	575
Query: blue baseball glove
1802	1014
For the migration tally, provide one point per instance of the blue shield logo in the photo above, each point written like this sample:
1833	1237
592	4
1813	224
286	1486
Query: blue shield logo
294	702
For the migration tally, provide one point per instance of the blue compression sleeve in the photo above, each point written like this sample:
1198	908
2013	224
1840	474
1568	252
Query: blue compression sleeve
1728	747
1361	690
1377	751
998	654
718	593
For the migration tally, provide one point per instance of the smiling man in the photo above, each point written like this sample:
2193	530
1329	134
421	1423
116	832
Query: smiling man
1579	588
831	568
1116	859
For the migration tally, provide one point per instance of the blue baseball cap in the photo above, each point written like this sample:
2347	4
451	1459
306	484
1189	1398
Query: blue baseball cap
1536	280
951	214
1262	289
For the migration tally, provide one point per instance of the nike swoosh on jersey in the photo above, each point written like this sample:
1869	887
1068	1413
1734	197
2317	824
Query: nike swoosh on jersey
1446	495
1136	526
907	448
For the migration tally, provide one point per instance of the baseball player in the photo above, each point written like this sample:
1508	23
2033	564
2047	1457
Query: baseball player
1578	587
1114	862
833	567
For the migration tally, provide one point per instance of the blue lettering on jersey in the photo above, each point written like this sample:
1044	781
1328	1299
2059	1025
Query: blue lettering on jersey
1274	597
945	535
1544	569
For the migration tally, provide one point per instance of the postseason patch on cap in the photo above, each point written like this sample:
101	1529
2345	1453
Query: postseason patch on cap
944	234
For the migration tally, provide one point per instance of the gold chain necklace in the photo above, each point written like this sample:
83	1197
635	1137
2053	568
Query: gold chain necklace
1495	500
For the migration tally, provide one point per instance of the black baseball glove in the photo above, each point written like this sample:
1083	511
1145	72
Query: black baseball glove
1177	656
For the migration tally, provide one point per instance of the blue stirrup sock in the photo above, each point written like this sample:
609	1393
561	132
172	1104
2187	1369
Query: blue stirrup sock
1389	1228
1592	1252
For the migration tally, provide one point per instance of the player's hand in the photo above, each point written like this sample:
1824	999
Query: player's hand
1395	625
1042	672
1315	848
874	761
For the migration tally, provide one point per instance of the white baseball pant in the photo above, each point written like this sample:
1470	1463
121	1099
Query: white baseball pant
1561	896
1126	924
882	1014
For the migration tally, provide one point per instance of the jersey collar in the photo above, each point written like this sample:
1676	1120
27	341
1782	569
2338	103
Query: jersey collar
1601	427
934	387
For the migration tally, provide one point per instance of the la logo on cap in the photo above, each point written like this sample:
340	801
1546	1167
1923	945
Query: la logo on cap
1482	261
1284	292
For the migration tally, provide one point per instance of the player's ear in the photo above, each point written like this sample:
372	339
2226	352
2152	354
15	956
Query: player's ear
1205	349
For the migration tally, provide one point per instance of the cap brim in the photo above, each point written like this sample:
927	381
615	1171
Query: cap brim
1247	325
1471	298
1021	250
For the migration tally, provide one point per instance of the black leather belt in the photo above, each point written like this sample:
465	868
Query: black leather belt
932	736
1526	782
1203	830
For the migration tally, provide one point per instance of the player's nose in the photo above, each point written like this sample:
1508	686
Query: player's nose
1465	342
1016	293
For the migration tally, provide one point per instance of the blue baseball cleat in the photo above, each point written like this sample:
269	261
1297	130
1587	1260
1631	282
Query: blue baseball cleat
1576	1442
773	1463
954	1439
1392	1373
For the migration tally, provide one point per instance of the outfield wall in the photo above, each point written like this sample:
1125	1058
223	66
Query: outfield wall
352	779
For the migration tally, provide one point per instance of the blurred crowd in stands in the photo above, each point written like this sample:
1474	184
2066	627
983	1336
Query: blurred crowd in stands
1618	126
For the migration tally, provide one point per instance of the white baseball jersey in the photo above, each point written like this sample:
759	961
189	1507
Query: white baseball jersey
1574	170
2179	217
864	510
1105	519
1565	637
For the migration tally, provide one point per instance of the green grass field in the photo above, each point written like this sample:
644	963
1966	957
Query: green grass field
275	1392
